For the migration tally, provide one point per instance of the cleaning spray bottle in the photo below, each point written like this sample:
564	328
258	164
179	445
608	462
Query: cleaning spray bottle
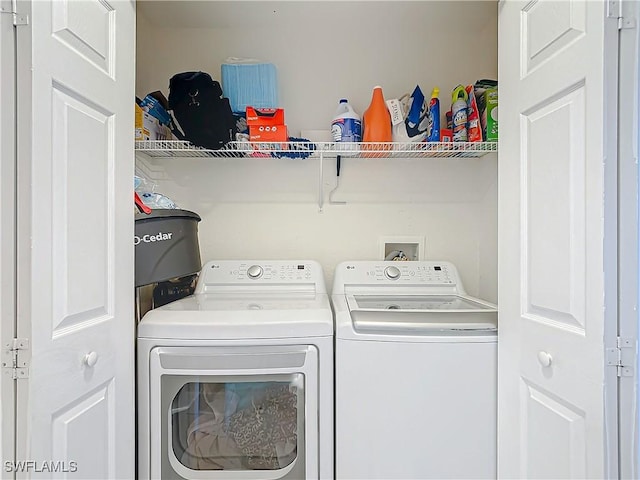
459	114
433	132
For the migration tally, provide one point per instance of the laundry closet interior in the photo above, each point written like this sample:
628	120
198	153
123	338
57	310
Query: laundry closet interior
278	208
537	228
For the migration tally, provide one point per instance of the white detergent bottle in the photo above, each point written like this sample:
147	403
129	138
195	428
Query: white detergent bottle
346	126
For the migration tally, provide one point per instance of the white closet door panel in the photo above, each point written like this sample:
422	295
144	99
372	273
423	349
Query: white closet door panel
554	296
77	288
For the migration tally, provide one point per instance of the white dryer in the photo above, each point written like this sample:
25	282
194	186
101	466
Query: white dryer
415	366
236	381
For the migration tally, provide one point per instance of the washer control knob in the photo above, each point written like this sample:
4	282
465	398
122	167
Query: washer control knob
254	271
392	273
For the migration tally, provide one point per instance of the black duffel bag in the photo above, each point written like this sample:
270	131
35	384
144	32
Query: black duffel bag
204	116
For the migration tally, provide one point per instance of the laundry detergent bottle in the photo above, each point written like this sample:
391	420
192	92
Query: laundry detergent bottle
376	123
346	126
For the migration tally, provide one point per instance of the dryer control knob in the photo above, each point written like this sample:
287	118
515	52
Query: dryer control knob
254	271
392	273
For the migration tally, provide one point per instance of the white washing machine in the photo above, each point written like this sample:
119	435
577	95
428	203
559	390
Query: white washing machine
236	381
416	362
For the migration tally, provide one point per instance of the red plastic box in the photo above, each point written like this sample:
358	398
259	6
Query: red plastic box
264	116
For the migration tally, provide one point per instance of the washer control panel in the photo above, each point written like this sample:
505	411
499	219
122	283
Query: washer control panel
422	273
228	273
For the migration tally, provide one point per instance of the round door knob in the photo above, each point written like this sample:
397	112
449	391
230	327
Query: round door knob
90	359
392	273
254	271
545	359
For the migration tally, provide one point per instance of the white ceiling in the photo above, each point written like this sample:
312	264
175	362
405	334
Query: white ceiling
441	16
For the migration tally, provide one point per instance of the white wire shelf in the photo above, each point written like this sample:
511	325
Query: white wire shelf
178	149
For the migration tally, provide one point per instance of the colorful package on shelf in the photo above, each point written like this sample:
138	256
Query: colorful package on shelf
248	82
266	125
491	114
480	89
154	107
446	135
148	127
415	112
474	129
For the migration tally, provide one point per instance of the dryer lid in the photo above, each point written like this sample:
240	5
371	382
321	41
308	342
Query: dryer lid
232	317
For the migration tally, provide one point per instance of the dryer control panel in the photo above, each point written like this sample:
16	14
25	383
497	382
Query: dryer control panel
247	274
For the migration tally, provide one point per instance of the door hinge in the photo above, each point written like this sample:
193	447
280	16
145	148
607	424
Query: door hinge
626	22
622	356
15	359
18	18
614	11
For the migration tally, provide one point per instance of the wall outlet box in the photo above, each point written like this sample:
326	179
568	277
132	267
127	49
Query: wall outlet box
407	247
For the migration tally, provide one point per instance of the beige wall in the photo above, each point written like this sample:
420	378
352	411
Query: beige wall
324	51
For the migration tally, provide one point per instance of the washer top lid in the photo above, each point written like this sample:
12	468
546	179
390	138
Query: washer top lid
421	314
240	316
417	303
397	278
262	276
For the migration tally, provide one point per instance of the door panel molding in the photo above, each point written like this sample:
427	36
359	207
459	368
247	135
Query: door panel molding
566	441
88	29
548	29
553	209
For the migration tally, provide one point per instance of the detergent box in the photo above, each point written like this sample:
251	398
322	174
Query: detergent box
491	114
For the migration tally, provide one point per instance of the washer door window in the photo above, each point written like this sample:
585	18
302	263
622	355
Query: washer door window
240	415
